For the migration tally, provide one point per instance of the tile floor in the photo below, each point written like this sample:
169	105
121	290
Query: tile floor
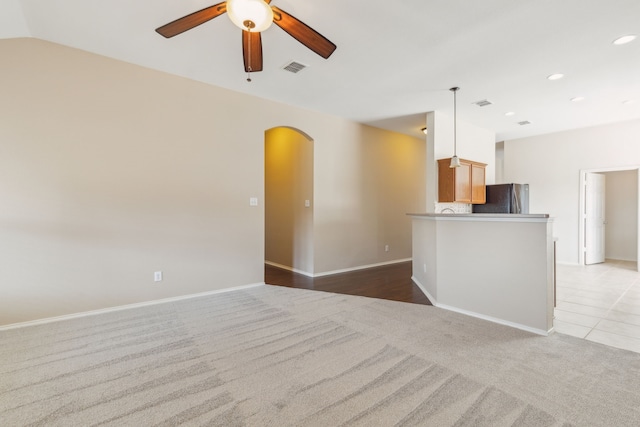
600	303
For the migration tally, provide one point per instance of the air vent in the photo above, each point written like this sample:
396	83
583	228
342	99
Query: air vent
483	103
294	67
524	122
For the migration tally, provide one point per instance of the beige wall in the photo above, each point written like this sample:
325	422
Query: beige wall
363	191
110	171
621	201
288	184
551	165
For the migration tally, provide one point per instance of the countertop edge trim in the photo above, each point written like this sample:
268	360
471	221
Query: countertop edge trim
484	217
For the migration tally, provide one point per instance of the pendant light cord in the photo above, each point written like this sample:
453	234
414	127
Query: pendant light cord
455	139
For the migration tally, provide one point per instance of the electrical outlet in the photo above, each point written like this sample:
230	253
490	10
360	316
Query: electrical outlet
157	276
386	248
424	267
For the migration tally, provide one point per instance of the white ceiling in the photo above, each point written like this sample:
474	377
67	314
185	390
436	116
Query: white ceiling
395	60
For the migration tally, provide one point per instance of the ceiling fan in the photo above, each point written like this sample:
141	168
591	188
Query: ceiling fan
253	16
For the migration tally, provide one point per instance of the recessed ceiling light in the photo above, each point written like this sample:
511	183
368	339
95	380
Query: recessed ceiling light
577	99
625	39
510	113
556	76
629	102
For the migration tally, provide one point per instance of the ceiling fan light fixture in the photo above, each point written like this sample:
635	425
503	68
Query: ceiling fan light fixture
253	15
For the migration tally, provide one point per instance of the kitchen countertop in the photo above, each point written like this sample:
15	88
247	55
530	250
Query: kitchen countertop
482	217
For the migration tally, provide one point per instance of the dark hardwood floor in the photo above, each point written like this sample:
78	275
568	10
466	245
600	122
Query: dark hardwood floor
392	282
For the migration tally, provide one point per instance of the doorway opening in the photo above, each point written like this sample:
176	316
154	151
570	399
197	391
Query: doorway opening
288	168
609	215
598	302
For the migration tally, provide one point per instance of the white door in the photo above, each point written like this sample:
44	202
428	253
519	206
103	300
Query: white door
594	220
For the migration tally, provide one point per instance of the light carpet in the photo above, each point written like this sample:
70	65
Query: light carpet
273	356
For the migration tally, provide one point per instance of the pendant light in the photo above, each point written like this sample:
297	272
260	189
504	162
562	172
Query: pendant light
455	161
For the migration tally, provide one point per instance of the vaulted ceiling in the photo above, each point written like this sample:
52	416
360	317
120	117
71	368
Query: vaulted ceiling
394	61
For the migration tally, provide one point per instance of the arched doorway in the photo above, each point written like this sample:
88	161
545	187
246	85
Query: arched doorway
288	169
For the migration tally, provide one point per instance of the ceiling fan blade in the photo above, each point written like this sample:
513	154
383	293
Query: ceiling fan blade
303	33
252	51
192	20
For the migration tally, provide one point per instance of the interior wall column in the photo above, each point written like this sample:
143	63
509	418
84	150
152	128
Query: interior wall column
439	145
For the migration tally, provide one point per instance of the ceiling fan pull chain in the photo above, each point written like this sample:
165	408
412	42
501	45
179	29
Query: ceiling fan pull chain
249	54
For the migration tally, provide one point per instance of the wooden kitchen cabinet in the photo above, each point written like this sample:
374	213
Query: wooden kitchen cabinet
465	184
478	185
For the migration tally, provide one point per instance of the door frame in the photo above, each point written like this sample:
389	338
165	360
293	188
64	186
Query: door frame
581	221
595	185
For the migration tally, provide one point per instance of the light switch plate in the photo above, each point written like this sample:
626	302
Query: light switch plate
253	201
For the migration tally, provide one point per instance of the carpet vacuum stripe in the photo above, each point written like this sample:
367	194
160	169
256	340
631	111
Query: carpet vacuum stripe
274	356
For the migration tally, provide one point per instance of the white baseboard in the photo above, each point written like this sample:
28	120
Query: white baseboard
286	267
478	315
494	320
122	307
344	270
423	289
361	267
612	259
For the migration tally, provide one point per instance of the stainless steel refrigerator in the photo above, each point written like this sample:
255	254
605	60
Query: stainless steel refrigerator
505	198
